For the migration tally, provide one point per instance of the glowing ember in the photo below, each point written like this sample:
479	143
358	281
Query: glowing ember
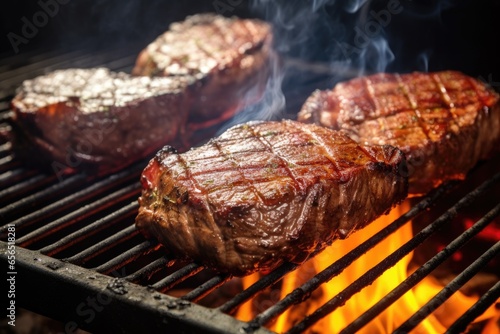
392	317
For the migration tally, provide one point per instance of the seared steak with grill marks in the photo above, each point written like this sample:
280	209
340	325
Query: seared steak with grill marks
228	58
445	122
266	192
97	118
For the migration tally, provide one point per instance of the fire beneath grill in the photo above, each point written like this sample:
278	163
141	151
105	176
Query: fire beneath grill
343	294
75	236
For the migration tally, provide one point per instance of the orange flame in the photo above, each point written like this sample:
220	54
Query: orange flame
388	320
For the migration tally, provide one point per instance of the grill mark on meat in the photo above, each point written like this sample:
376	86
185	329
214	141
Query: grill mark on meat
238	168
444	93
282	160
371	95
325	148
189	176
475	88
250	27
413	101
343	177
406	91
236	231
230	40
227	57
202	47
341	230
445	122
451	106
198	188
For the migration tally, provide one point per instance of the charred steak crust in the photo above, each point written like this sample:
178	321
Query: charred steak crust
98	118
266	192
445	122
228	59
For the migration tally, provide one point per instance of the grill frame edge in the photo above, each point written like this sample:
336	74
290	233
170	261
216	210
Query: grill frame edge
99	303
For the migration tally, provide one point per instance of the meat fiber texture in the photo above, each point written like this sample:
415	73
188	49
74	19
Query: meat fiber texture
445	122
266	192
229	60
97	119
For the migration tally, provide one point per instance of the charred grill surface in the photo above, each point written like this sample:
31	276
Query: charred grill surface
266	192
444	122
98	118
228	59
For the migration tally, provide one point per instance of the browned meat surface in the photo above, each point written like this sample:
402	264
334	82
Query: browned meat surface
266	192
445	122
228	58
208	67
97	118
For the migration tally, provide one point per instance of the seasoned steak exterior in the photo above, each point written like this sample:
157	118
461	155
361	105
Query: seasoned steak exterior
445	122
228	58
98	119
263	193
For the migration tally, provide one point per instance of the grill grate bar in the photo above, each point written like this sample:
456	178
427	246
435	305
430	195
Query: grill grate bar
78	197
421	272
103	246
14	176
5	114
264	282
43	195
204	289
6	160
119	303
299	294
476	310
100	247
149	269
125	258
79	215
8	163
391	260
177	277
26	186
14	62
40	65
448	290
6	146
5	149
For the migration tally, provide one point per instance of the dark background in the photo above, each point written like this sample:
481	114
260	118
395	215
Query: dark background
427	35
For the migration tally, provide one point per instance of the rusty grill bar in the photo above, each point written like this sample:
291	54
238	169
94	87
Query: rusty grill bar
77	235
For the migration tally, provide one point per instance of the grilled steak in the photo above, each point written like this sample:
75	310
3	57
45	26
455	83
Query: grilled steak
444	122
266	192
97	118
208	67
229	59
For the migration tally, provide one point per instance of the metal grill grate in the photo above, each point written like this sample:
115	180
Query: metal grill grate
76	236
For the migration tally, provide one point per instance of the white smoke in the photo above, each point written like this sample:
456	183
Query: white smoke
342	39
